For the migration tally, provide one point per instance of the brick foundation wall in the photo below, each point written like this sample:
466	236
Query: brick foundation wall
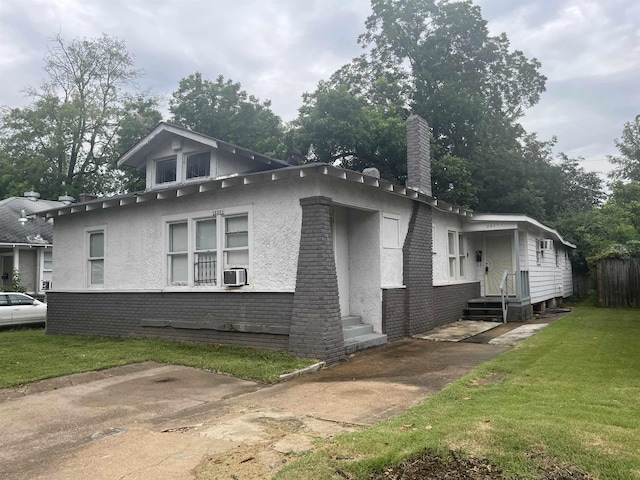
253	319
418	270
394	313
316	324
449	301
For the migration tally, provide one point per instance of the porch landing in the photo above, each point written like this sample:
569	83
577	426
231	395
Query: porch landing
457	331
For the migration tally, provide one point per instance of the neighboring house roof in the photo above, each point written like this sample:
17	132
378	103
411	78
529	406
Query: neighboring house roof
11	232
490	218
136	156
234	180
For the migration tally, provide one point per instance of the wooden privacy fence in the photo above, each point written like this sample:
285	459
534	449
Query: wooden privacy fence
619	282
583	285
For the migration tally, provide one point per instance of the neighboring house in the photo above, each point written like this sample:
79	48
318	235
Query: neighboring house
26	242
227	245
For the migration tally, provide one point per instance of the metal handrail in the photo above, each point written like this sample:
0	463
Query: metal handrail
503	295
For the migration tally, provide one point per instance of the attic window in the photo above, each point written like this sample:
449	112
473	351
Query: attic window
198	165
166	170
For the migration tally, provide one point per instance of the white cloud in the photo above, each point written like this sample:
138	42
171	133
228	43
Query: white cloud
278	49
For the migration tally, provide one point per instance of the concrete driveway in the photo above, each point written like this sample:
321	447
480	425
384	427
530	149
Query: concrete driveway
167	422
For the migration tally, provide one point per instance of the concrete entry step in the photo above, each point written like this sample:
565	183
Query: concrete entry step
485	309
350	320
362	342
359	336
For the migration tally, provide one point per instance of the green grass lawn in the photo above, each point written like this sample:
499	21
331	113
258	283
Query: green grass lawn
30	355
569	394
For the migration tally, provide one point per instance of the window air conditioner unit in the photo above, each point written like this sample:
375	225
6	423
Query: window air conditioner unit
234	277
46	285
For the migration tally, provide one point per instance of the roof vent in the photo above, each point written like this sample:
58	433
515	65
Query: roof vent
294	157
33	196
372	172
66	199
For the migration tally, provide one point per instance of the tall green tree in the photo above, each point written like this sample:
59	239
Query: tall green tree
336	126
628	161
437	59
466	83
223	110
65	141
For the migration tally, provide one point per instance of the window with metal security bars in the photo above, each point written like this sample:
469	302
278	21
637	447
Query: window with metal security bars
205	265
199	248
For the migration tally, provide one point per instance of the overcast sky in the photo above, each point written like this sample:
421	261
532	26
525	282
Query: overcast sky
278	49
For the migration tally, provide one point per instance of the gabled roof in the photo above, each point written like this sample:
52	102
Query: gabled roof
136	156
11	232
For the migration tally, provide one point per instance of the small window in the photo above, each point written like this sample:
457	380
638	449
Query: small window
166	170
198	165
96	258
451	244
236	241
461	255
178	254
47	269
539	252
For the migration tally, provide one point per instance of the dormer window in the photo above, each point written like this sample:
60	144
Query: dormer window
166	170
198	165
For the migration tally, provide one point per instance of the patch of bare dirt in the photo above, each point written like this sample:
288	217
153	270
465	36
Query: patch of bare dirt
428	466
279	441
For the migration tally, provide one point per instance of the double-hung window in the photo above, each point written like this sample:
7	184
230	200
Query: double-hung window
178	253
451	243
201	245
457	254
236	241
47	269
462	255
539	252
96	258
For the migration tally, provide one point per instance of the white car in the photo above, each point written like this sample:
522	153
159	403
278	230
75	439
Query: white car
19	308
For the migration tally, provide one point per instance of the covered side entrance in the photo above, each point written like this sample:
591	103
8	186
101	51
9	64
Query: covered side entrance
356	243
502	273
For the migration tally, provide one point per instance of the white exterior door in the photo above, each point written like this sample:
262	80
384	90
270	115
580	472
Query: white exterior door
498	258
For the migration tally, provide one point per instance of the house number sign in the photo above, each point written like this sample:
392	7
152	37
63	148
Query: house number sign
218	212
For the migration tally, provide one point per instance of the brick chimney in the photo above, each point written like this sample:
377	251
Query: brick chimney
418	157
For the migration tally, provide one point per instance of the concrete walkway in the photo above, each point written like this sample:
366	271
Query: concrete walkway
168	422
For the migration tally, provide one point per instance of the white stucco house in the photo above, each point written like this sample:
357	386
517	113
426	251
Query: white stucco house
227	245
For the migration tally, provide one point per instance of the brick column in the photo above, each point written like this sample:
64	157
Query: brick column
418	270
316	325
